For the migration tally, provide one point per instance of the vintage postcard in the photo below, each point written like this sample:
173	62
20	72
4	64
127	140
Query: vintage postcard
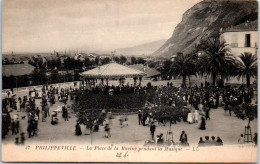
129	81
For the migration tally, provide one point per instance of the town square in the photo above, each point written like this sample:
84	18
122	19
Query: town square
157	74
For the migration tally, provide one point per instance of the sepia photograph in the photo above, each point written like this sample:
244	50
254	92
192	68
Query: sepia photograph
129	81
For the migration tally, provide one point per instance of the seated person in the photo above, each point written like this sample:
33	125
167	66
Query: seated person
207	141
160	140
219	142
241	139
201	142
213	142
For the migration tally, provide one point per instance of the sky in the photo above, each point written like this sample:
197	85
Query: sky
87	25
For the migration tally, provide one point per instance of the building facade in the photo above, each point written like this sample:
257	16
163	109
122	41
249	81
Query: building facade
242	38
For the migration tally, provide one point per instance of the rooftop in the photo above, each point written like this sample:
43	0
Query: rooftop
17	69
112	70
150	72
246	26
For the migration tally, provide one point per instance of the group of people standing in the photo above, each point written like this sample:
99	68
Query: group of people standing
13	109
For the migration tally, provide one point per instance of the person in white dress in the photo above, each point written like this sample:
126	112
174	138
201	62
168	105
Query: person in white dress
220	100
18	106
190	118
196	116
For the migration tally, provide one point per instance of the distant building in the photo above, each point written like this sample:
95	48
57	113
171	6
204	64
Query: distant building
92	57
17	69
104	56
242	38
80	56
150	72
16	75
12	60
149	58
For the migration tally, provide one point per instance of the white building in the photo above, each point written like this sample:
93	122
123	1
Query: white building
242	38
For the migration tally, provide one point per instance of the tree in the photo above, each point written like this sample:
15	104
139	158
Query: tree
39	76
246	111
58	63
54	76
133	60
247	66
169	113
68	77
215	59
87	62
166	69
9	82
68	63
140	60
106	60
97	59
122	59
116	59
88	117
51	64
153	64
184	65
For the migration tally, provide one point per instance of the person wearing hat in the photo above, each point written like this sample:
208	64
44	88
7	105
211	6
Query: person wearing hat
152	129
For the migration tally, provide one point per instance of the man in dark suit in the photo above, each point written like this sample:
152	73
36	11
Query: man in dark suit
152	129
139	117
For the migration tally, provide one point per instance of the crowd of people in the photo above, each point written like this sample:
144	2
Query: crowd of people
195	104
209	96
27	104
114	90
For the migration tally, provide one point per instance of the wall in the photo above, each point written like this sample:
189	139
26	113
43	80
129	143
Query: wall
39	87
236	41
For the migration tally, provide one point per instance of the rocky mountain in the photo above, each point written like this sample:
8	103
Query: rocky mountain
146	49
204	19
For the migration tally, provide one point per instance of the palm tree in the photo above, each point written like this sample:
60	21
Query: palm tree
247	66
184	65
215	59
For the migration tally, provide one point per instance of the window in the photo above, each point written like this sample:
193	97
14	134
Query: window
234	40
234	44
248	38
